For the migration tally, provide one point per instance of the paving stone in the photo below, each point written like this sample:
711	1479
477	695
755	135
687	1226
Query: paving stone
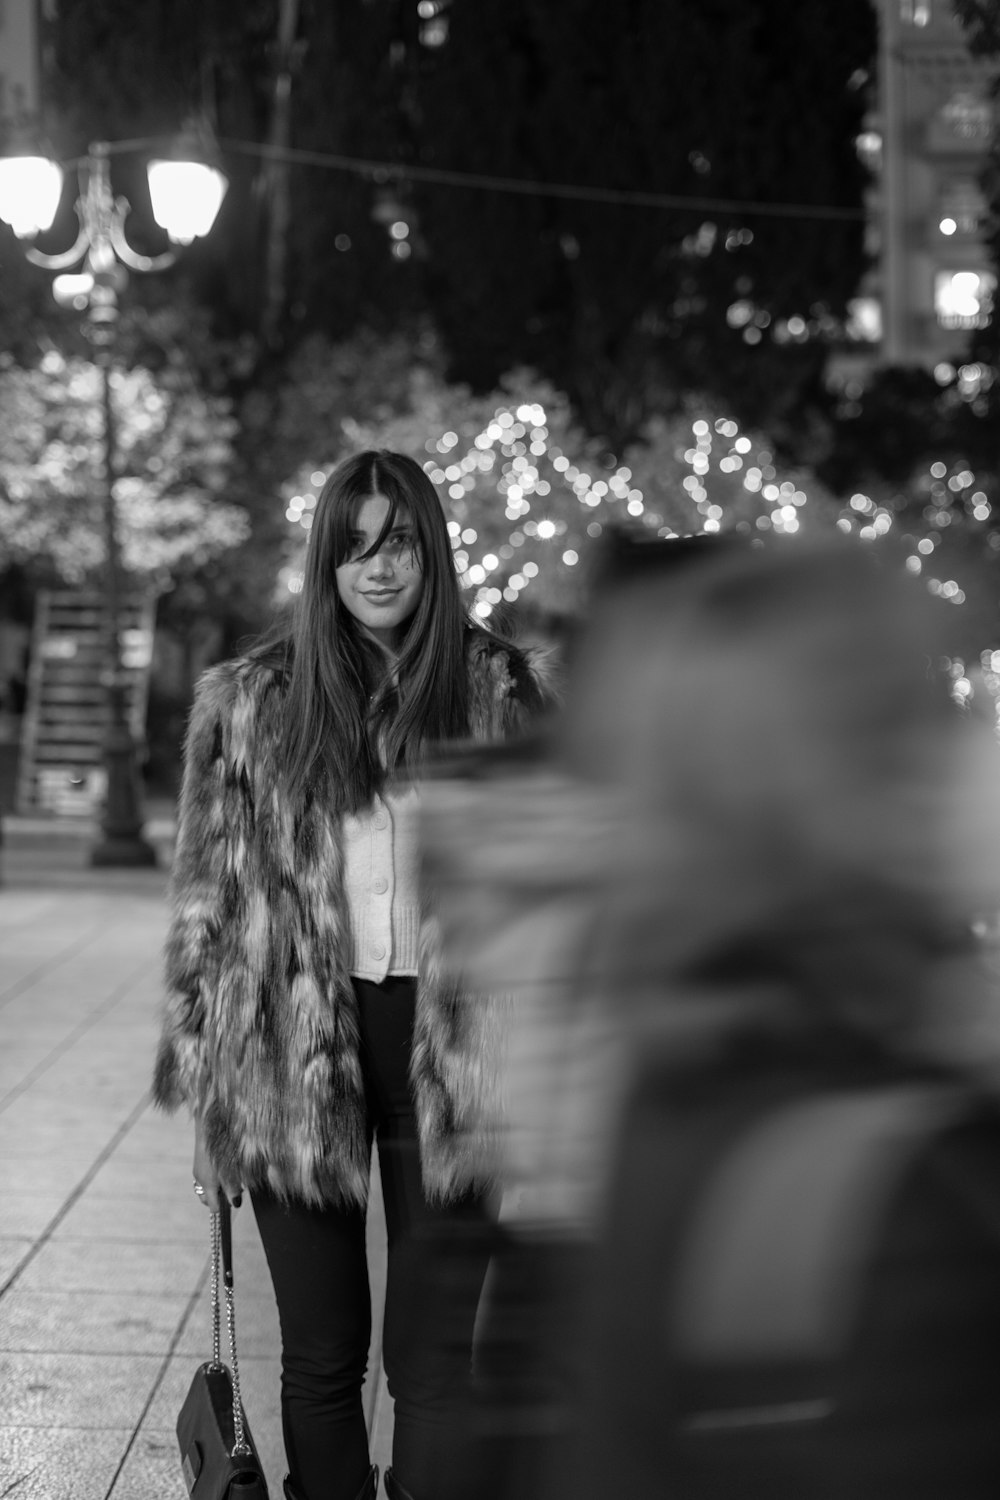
123	1176
153	1132
158	1219
68	998
152	1469
20	1055
67	1001
110	1266
43	1146
34	1170
158	1186
122	1322
76	1390
27	1214
84	1332
38	1028
159	1134
169	1159
68	1090
12	1252
18	910
38	958
51	1118
63	1464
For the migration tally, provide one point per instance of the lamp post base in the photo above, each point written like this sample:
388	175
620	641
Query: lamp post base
121	841
128	852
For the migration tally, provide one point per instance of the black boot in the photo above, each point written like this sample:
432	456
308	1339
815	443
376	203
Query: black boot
368	1490
394	1489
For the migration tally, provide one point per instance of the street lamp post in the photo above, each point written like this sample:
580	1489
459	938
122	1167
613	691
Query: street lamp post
186	194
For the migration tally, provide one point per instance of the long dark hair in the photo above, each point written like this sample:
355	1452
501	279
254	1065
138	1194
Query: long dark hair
350	723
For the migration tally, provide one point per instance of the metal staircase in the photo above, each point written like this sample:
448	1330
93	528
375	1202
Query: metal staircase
60	767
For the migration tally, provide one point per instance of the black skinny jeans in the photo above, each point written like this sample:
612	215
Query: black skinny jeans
437	1258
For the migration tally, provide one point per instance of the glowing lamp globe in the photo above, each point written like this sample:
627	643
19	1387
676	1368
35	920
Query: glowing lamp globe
186	196
30	188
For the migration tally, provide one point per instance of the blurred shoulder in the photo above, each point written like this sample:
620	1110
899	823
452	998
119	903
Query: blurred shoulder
529	675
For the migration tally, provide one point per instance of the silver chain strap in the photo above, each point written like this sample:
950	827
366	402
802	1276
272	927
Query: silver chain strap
241	1445
216	1258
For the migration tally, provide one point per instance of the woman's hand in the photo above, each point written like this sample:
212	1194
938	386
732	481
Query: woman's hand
207	1176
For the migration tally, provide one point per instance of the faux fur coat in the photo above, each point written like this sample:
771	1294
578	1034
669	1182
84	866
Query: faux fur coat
260	1023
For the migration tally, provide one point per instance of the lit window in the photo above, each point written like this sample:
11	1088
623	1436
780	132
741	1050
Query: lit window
968	115
963	299
869	148
961	207
433	24
915	12
435	33
864	321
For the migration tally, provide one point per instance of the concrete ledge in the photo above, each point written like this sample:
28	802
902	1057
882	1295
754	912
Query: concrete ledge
54	850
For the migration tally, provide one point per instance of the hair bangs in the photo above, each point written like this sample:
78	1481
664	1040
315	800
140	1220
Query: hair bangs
345	521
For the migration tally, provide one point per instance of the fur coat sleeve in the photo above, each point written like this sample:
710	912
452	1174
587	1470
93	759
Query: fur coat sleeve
260	1028
214	801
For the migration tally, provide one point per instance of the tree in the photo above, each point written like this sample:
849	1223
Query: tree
173	453
526	491
981	19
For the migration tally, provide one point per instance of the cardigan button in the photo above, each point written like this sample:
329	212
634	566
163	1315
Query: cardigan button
380	886
378	950
380	820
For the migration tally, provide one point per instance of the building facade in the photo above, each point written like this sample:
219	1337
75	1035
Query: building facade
20	60
928	145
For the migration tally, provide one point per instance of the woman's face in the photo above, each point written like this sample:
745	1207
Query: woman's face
383	590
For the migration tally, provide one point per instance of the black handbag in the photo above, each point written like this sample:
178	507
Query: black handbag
218	1455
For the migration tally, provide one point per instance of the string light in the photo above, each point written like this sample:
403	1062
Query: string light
951	493
509	468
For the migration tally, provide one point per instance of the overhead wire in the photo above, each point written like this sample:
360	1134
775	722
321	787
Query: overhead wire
526	186
384	171
624	197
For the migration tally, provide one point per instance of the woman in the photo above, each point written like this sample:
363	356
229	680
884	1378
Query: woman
308	1011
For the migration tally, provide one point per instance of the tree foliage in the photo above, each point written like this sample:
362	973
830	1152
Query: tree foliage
527	492
174	455
981	19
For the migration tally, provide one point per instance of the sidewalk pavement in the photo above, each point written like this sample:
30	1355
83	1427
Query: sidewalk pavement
104	1249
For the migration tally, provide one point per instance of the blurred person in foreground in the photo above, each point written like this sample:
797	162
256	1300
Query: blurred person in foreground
799	829
309	1013
811	830
516	843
